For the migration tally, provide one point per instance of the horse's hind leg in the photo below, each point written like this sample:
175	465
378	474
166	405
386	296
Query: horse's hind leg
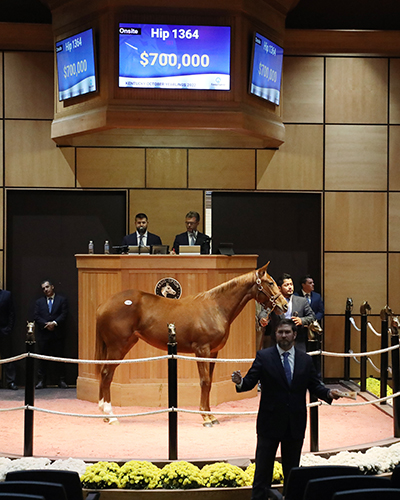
106	376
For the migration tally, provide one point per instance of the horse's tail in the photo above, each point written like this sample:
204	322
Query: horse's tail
101	347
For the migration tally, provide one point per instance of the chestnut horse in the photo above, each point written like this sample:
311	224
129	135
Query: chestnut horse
202	324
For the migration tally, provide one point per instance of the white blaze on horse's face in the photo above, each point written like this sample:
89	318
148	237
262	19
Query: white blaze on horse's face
128	302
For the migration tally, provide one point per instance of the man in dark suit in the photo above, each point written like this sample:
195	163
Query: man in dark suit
50	315
285	374
313	298
141	236
192	236
299	310
7	316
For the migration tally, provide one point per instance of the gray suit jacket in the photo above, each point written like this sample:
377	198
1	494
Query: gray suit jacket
300	308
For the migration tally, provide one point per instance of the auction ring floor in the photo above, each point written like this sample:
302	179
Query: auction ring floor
146	437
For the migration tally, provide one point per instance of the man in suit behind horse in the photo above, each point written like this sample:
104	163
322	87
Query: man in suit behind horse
50	315
285	374
192	236
141	237
7	316
299	310
314	298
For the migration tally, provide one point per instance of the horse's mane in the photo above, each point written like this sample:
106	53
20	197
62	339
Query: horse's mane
227	286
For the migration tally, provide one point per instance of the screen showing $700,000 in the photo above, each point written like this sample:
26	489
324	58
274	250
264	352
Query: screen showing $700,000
76	65
174	56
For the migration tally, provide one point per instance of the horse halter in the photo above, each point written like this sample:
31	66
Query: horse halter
272	298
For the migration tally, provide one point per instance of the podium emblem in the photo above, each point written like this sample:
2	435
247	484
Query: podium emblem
169	288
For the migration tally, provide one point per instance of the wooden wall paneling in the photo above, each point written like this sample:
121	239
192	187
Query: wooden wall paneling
166	210
303	89
32	158
297	165
356	158
2	215
333	342
221	169
355	221
1	152
356	90
1	85
394	92
394	158
361	276
110	167
166	168
3	284
394	282
100	287
394	221
32	95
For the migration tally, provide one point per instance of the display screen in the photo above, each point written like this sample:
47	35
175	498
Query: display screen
266	69
76	65
174	56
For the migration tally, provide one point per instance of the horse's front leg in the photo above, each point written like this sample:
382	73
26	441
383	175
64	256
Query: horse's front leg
205	372
106	376
213	419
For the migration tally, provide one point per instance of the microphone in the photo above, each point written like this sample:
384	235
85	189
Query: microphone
141	230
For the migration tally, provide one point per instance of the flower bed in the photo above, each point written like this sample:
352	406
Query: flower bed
139	475
220	481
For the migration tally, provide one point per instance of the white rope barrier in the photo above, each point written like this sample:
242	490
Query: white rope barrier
104	415
354	324
373	330
183	410
100	362
13	409
358	361
373	365
188	358
14	358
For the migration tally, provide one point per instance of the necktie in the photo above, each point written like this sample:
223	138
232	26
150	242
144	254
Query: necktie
50	304
141	240
308	297
286	367
192	239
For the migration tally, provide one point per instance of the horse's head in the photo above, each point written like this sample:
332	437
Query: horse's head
30	327
365	308
168	290
268	293
30	331
314	328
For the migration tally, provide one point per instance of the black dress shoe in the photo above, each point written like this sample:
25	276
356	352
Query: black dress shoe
62	384
40	385
12	386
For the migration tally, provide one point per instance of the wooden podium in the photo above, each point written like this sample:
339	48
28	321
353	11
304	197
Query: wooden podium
145	383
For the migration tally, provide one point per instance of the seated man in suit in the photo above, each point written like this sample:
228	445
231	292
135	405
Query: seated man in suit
141	237
314	298
192	236
299	310
50	315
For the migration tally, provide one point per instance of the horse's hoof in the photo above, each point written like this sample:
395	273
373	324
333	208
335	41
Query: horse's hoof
106	420
207	424
113	421
215	422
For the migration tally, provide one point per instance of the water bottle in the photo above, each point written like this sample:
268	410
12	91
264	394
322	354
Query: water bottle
106	247
91	247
